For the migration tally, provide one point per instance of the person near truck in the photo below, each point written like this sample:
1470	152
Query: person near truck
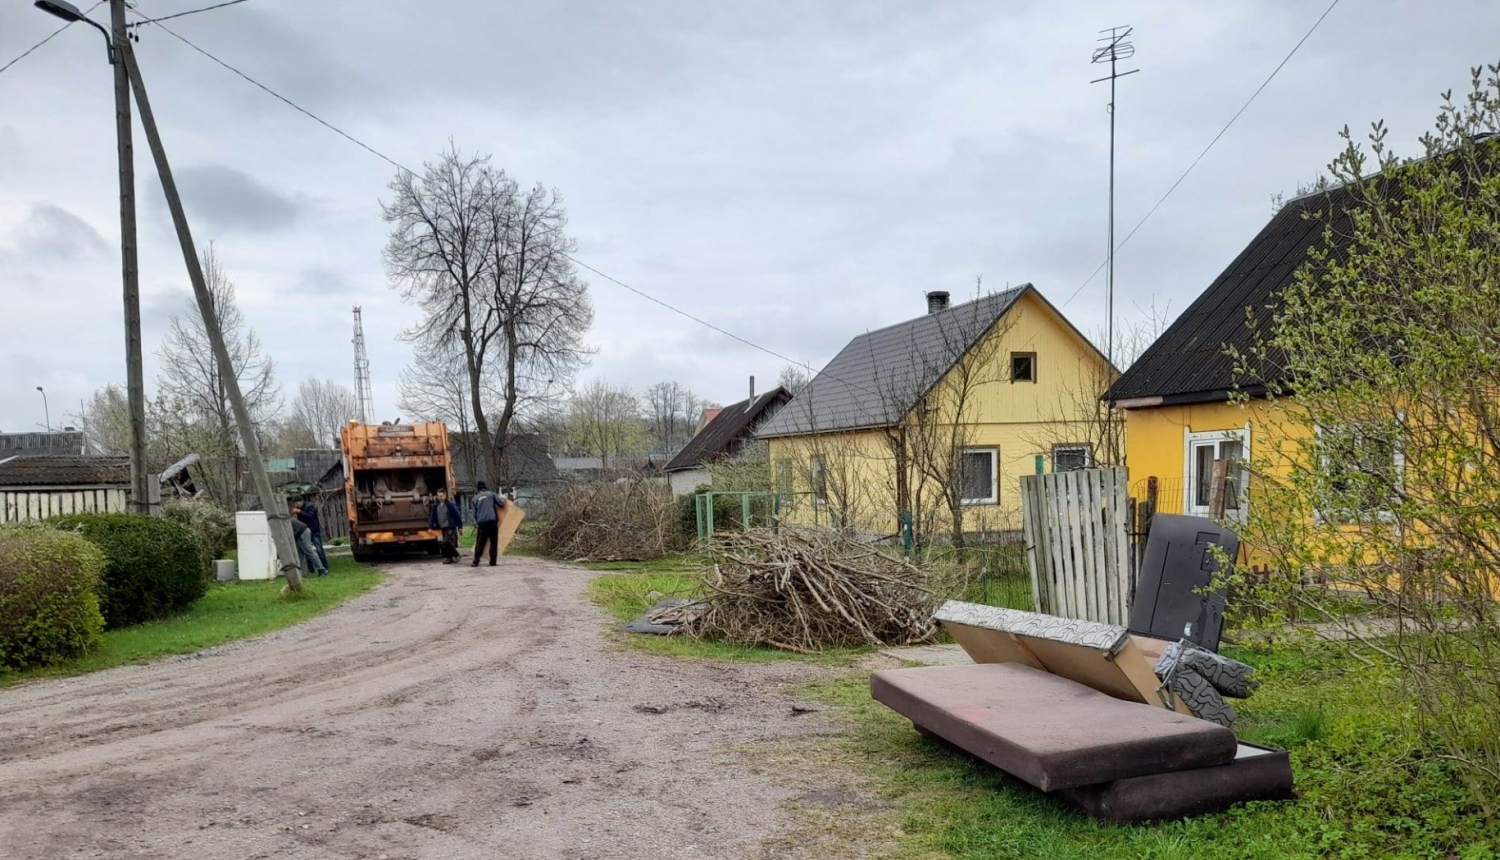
302	536
446	515
309	517
487	507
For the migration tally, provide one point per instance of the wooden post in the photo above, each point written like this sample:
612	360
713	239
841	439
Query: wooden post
1218	491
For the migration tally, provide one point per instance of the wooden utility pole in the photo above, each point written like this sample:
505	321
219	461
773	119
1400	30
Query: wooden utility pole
274	506
135	384
1221	490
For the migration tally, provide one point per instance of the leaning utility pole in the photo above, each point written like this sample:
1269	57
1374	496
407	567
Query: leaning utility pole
135	384
275	507
1114	50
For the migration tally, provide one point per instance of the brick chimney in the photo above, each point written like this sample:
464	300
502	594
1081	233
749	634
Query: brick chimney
937	300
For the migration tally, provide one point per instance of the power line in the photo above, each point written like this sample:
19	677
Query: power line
399	166
183	14
26	53
1211	143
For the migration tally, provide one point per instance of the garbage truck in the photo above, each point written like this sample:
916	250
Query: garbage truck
392	473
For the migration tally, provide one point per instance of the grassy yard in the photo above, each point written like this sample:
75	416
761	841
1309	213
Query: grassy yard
1364	790
229	611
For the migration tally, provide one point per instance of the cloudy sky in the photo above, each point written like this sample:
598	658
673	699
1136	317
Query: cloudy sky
794	172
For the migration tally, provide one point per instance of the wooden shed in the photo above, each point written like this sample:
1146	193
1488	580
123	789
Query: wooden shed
36	488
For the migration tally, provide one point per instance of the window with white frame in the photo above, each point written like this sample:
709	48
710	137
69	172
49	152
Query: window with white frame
1202	450
784	481
819	481
979	475
1071	458
1361	470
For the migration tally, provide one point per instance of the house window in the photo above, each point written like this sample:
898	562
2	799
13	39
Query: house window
819	481
1202	450
784	481
979	475
1362	468
1023	367
1071	458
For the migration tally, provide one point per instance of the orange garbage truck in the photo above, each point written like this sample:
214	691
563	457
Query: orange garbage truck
392	473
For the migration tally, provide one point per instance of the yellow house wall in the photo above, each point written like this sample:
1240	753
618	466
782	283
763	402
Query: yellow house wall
1021	419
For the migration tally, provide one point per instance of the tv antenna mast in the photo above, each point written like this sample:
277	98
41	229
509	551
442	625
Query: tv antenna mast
1115	48
362	370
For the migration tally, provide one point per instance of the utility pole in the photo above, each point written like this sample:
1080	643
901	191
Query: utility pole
135	385
274	506
1114	50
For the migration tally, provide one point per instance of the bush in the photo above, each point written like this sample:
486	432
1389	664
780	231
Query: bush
212	528
626	520
151	568
49	604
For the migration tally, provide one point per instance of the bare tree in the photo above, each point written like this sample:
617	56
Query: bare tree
604	421
320	410
794	378
491	271
194	405
671	416
105	420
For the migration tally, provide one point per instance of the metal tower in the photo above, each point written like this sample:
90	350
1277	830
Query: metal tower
362	370
1115	48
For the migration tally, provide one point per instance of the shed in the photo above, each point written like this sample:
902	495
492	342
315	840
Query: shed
723	437
39	487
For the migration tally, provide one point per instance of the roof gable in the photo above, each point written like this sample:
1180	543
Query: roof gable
723	435
880	375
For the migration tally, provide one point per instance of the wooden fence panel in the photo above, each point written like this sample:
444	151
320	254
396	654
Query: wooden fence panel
1077	527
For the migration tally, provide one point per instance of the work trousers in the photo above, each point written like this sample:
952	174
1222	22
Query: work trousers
450	543
309	554
486	534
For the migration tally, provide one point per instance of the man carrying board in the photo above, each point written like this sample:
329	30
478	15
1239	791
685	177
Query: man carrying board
487	507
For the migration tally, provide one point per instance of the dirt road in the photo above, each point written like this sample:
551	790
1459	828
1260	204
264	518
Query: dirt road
453	712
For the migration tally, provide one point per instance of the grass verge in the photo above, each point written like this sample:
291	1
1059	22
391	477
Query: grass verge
1365	790
625	589
229	611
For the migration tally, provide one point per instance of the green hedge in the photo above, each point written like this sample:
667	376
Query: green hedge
152	568
49	605
212	528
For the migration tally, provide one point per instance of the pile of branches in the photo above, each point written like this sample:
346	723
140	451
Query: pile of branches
631	519
812	590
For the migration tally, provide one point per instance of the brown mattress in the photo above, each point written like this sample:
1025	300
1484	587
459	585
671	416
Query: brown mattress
1257	773
1046	730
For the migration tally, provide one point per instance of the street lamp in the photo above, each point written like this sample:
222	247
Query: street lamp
68	12
117	40
46	410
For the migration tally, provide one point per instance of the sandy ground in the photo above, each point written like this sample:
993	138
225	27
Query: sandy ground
453	712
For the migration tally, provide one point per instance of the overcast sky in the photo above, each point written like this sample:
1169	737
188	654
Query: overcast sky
796	173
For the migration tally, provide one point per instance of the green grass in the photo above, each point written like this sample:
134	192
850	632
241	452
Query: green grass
627	588
229	611
1365	791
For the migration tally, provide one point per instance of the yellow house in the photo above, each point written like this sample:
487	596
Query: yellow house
938	417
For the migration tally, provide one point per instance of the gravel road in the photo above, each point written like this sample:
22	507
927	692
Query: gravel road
453	712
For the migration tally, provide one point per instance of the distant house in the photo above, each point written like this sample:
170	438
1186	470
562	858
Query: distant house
724	436
50	485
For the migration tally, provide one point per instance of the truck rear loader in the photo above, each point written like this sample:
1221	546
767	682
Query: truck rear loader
392	473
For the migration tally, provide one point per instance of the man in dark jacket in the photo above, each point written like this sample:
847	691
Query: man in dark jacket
487	507
445	515
309	518
302	536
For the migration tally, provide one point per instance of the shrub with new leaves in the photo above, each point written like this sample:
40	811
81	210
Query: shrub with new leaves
211	526
49	607
151	566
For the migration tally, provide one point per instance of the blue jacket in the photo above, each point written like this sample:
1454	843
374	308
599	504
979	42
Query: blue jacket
309	518
455	516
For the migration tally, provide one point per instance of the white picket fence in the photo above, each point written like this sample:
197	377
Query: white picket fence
1078	543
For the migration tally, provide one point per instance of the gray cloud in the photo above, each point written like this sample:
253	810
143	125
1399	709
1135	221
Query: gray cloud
52	232
226	199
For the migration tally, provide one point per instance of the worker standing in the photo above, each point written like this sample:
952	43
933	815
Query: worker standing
487	507
445	515
309	518
302	536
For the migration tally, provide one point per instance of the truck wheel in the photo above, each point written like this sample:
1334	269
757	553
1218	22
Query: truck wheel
363	556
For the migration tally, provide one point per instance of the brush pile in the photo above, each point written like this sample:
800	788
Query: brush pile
811	591
625	520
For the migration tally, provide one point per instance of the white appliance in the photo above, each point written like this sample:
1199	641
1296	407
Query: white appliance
257	553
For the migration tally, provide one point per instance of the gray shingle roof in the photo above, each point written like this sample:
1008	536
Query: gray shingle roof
726	433
881	374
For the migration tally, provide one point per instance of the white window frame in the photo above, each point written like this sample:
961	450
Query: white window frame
818	477
1087	449
1322	516
1190	441
994	452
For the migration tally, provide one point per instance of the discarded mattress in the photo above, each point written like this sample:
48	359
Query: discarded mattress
1047	730
1257	773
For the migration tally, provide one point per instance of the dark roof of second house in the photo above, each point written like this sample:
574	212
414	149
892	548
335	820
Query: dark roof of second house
727	431
64	470
881	374
1190	361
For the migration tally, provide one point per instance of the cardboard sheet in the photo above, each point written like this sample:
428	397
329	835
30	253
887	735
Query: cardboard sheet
511	517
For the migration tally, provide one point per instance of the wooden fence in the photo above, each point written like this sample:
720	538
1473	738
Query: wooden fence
1077	527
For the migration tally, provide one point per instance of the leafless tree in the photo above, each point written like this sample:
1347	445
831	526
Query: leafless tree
105	419
490	269
320	410
194	405
794	378
604	421
671	416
